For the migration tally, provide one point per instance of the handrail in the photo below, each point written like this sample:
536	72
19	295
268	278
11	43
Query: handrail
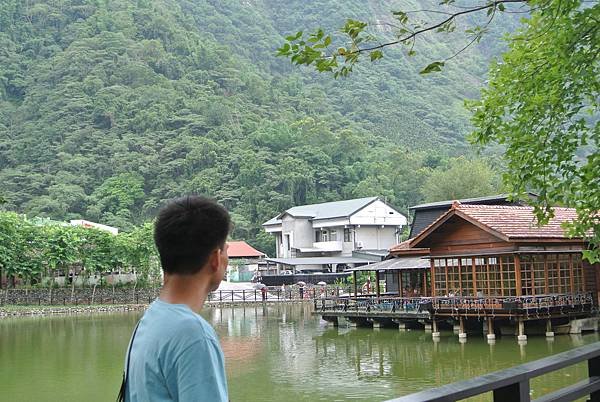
513	384
498	303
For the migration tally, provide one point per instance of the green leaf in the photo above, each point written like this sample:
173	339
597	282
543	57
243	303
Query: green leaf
433	67
292	38
376	55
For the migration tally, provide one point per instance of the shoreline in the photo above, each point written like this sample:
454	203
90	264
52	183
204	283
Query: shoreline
16	311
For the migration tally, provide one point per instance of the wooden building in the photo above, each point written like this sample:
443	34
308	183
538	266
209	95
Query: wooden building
499	251
490	263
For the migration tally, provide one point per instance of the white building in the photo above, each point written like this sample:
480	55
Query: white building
332	231
88	224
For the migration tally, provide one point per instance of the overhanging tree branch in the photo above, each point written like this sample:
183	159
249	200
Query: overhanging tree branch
313	49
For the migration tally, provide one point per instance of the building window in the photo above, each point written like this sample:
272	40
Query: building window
507	269
347	237
333	235
287	240
577	272
317	236
324	236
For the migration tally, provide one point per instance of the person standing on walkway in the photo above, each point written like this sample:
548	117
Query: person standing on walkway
263	291
174	354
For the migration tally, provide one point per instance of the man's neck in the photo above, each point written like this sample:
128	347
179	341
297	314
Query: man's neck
191	290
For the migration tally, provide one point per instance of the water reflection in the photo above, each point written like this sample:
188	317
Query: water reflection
273	352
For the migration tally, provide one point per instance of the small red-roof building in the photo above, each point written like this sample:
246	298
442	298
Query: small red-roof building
241	249
243	261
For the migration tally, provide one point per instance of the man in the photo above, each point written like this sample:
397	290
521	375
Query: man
174	352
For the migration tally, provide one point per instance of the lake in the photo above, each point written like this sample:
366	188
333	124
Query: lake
272	353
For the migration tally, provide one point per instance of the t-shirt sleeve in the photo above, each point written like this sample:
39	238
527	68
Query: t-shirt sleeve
199	373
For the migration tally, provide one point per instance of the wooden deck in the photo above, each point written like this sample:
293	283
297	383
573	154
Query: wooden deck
527	308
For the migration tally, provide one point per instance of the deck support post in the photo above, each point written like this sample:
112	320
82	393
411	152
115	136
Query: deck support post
490	329
462	334
521	327
402	326
376	325
435	333
549	332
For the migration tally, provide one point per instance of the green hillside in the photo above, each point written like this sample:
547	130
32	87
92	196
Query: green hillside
110	107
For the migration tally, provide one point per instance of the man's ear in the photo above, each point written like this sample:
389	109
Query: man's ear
214	259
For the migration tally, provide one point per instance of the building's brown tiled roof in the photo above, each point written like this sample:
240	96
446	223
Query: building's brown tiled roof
505	221
400	246
517	222
404	248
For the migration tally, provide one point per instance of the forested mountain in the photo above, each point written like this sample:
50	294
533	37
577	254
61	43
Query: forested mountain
110	107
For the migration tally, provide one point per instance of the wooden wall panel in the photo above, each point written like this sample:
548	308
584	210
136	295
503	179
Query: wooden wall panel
592	279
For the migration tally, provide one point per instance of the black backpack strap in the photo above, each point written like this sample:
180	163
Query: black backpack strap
121	396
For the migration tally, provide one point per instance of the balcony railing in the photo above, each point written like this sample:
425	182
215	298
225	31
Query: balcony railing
523	305
334	245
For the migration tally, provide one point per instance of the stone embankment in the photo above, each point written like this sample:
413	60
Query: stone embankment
29	311
77	296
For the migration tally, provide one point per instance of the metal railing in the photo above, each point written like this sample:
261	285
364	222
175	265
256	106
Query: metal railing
512	385
527	305
366	304
276	294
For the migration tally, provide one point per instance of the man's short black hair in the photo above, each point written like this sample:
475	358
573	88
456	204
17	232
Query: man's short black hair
187	230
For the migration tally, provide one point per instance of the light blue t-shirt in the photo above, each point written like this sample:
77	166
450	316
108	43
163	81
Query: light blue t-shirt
175	356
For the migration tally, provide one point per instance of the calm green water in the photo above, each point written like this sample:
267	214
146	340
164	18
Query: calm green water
272	353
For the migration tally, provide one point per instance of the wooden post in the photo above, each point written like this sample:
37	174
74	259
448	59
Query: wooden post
517	392
377	292
446	272
558	275
424	292
594	371
532	268
474	271
518	279
499	258
546	274
432	265
400	287
487	269
460	290
355	285
572	275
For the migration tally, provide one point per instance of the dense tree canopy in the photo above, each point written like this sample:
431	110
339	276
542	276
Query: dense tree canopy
542	103
109	108
462	178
